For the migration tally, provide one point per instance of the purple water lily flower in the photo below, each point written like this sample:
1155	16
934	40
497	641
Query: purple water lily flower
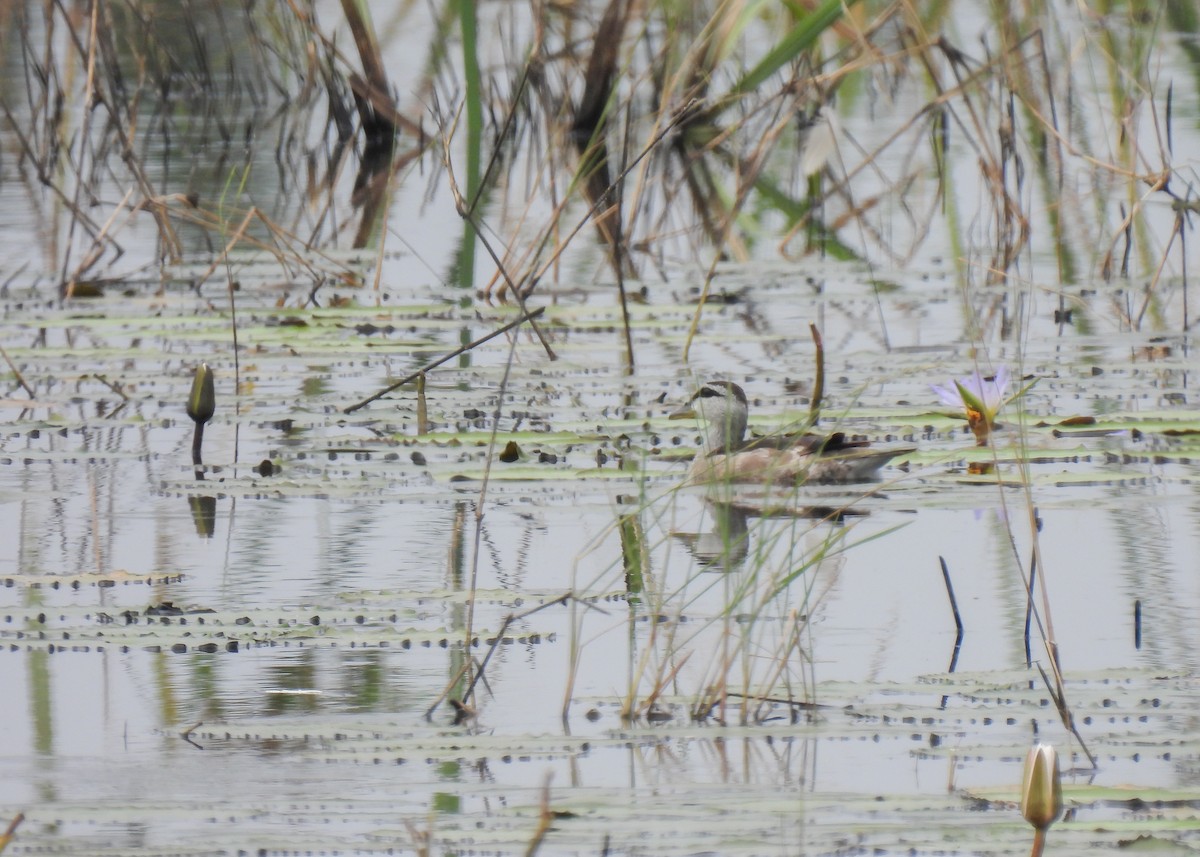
979	399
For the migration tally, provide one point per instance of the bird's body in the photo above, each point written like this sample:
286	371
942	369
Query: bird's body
728	456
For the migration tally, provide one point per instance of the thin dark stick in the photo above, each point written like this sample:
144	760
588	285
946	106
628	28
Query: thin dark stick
1029	610
444	358
954	607
958	637
1137	624
778	700
116	388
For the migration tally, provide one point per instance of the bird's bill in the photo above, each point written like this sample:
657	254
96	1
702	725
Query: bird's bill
687	412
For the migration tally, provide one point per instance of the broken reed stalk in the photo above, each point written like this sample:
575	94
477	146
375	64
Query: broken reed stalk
445	358
223	256
1183	267
231	289
1054	681
1056	688
818	388
620	257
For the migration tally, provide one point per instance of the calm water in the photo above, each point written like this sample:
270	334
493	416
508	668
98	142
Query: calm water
344	578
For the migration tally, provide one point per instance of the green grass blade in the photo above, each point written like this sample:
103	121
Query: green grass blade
464	266
799	39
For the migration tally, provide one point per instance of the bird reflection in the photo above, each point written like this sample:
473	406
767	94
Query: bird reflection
725	545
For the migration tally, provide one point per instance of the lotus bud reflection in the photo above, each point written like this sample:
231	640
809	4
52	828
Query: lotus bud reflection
1041	791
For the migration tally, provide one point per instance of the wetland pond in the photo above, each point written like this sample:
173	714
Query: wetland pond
487	616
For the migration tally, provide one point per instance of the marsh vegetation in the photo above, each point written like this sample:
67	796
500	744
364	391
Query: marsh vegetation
429	581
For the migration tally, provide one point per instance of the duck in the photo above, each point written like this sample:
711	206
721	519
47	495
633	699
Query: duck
728	456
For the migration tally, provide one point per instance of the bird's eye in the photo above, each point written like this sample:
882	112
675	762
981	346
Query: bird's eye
708	392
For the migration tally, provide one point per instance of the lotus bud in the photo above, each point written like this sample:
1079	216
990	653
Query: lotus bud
202	401
1041	787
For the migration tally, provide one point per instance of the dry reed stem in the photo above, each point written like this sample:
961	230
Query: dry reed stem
224	254
746	180
661	681
11	830
545	818
443	359
534	278
943	99
421	839
17	373
1043	616
97	248
299	257
778	664
1148	293
381	101
465	213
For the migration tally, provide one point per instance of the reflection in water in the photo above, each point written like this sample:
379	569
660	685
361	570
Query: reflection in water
217	109
292	684
204	514
725	545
